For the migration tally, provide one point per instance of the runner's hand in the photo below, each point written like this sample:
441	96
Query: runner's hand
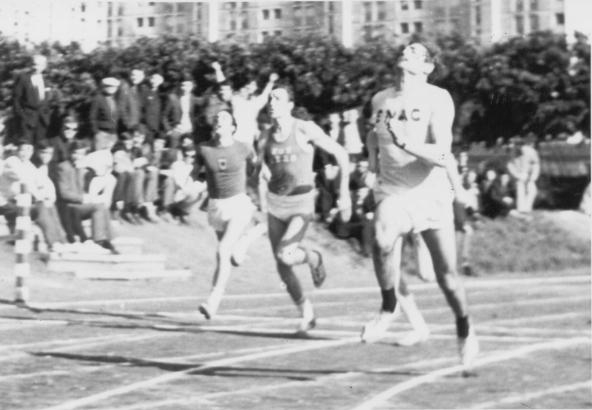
345	207
396	128
273	77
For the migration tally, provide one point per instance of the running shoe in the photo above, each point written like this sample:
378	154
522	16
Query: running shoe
468	348
319	274
377	328
307	317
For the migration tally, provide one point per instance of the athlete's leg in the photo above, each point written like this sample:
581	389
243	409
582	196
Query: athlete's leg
390	222
276	229
226	241
442	248
285	240
250	235
425	266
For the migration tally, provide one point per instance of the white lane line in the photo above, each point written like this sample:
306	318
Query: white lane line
523	398
382	397
164	360
469	284
76	403
25	324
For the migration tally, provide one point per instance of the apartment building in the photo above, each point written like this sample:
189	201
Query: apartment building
351	21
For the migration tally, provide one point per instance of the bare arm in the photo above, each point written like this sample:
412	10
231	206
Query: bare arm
262	98
440	126
319	139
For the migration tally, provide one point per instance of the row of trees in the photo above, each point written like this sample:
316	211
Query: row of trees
528	84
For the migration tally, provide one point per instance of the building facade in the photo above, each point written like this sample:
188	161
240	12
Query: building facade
120	23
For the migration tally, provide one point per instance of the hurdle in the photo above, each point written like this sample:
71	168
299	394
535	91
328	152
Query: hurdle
22	246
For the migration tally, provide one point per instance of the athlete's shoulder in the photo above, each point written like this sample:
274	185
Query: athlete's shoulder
439	93
382	95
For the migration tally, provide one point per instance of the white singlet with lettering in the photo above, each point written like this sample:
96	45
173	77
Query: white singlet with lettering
400	172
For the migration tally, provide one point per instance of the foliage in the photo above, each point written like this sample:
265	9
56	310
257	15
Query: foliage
535	83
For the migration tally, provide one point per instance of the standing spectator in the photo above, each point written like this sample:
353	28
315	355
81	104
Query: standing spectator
77	204
33	102
105	114
181	112
524	168
130	98
152	108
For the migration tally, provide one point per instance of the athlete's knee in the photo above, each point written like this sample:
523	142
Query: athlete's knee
287	255
448	281
224	251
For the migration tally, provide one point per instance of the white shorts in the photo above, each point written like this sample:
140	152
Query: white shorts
286	207
423	211
220	211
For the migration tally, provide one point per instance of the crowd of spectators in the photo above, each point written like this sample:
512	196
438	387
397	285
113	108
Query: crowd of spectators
130	156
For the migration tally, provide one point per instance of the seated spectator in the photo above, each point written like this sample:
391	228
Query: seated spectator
18	171
162	159
188	191
145	180
77	204
126	200
68	131
498	200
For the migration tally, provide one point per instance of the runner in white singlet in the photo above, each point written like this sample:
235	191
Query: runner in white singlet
413	137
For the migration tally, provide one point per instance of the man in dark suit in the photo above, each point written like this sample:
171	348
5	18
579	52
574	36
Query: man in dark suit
130	97
181	113
33	102
75	205
152	107
105	114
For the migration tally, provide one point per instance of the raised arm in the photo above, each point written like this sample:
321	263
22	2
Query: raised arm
260	100
220	77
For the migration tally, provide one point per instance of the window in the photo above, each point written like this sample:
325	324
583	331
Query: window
418	4
277	33
381	13
140	22
109	9
109	28
264	34
311	16
265	14
245	20
404	5
404	28
277	13
232	5
478	15
519	5
83	7
120	10
367	11
418	27
119	31
151	3
297	16
534	4
151	21
519	24
233	25
534	22
560	19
